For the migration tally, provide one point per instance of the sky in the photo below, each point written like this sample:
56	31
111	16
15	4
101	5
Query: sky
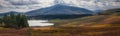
28	5
23	5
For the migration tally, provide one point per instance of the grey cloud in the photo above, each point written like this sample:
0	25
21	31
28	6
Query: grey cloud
27	5
13	5
22	2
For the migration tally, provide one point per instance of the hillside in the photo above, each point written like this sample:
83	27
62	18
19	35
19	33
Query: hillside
89	21
101	19
110	12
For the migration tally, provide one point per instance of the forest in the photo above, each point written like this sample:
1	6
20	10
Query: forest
12	20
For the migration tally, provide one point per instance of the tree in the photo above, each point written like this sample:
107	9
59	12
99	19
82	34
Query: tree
1	24
5	20
22	21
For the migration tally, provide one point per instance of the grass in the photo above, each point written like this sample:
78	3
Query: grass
13	32
78	21
88	21
78	31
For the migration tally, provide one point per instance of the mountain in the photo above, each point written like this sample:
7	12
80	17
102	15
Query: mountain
2	14
59	10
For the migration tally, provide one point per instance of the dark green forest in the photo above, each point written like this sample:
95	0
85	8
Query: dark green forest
16	21
62	16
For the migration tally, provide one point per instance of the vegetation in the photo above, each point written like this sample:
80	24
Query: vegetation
110	17
14	21
77	31
13	32
112	20
61	16
110	12
106	23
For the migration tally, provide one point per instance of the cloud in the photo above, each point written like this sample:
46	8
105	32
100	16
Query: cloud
92	4
23	5
22	2
28	5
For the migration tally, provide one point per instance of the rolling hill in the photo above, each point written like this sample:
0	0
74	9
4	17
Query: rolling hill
95	20
111	11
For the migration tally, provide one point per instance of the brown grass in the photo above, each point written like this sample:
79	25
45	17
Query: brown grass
13	32
78	31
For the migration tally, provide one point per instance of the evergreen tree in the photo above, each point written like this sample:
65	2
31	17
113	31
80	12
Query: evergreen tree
1	22
13	22
22	21
25	21
18	21
6	20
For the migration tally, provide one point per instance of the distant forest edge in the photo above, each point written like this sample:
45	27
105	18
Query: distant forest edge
64	16
12	20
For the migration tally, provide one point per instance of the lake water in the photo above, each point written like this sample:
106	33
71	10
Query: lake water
39	23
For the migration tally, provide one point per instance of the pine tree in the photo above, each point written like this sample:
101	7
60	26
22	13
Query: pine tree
1	22
6	20
25	21
13	21
18	21
22	21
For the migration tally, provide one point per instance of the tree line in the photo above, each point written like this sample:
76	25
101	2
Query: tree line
14	21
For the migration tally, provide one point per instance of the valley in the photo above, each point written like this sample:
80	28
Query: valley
102	24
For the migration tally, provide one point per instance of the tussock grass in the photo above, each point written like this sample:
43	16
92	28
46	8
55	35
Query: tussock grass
78	31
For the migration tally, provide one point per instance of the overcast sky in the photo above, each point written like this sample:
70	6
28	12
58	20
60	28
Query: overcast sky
28	5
